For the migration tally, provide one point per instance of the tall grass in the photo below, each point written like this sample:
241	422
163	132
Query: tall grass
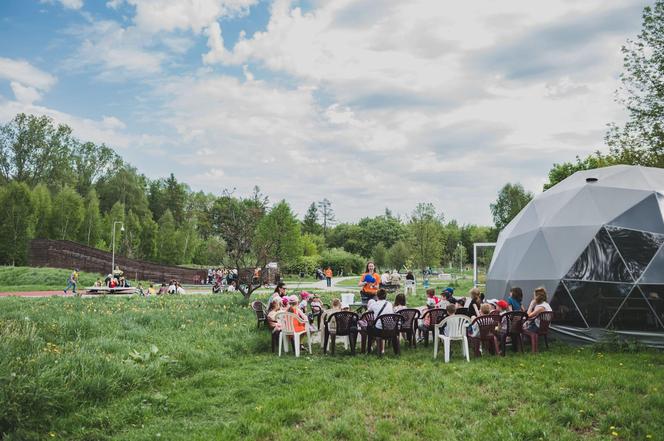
196	368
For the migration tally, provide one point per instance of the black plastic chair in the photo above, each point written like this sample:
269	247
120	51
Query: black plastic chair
487	336
511	325
435	316
409	325
345	325
259	310
390	329
368	318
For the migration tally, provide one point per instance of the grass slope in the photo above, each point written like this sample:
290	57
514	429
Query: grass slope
196	368
23	278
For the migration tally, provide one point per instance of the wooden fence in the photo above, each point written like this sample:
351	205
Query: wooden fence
67	254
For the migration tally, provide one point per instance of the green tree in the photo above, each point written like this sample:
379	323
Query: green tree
149	233
91	230
126	186
16	223
399	254
235	221
310	223
67	214
278	236
43	204
312	244
116	214
386	229
379	255
33	150
131	238
641	139
90	162
511	200
346	236
327	215
211	252
167	249
176	198
426	235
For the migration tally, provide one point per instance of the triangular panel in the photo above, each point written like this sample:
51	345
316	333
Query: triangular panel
629	178
600	261
567	243
654	294
655	271
579	210
646	216
549	205
511	252
598	302
537	262
637	248
635	314
612	202
527	222
565	310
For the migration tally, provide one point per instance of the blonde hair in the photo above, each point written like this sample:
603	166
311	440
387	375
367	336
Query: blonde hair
540	295
485	308
336	303
451	309
474	293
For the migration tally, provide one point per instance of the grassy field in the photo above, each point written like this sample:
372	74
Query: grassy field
22	278
196	368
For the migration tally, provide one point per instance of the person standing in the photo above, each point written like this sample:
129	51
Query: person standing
328	276
72	282
370	282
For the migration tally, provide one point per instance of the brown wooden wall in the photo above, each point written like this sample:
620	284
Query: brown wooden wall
67	254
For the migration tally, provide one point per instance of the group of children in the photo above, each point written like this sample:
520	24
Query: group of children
474	305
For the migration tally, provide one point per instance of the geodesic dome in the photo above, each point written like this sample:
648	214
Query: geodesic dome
595	242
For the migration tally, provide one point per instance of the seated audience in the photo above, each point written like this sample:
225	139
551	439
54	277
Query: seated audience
400	302
515	299
380	306
537	305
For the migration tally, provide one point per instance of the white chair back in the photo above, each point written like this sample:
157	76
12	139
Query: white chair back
287	322
456	325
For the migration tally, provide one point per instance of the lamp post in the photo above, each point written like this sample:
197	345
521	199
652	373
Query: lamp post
113	240
460	249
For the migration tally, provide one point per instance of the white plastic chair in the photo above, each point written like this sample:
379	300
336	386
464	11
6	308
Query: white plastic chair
409	287
456	330
287	321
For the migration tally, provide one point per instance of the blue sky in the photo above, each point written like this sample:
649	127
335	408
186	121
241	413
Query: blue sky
369	103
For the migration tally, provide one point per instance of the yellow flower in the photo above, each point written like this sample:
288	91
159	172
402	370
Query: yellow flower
614	433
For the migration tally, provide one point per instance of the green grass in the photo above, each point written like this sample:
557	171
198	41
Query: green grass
196	368
22	278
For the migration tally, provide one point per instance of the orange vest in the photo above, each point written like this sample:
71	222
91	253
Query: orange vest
297	326
328	273
371	288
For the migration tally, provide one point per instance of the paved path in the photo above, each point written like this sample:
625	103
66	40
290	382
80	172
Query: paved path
207	289
35	294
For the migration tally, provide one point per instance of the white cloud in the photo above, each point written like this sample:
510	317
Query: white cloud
26	74
166	15
24	94
68	4
215	43
118	51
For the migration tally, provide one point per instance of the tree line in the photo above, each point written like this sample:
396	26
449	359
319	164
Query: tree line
53	185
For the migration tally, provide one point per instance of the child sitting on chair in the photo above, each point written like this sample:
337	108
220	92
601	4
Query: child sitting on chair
305	298
485	309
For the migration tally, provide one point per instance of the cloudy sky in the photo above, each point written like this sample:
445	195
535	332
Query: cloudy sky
369	103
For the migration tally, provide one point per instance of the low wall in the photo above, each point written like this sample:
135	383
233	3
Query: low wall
67	254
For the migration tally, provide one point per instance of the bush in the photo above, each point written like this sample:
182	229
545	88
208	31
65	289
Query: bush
305	264
341	260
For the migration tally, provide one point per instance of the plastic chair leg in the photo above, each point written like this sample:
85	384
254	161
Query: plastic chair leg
465	349
435	348
296	339
333	343
447	349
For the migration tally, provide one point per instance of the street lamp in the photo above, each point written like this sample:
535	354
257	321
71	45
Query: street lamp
121	231
460	249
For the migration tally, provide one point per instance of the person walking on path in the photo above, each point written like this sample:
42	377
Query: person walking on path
328	276
72	282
